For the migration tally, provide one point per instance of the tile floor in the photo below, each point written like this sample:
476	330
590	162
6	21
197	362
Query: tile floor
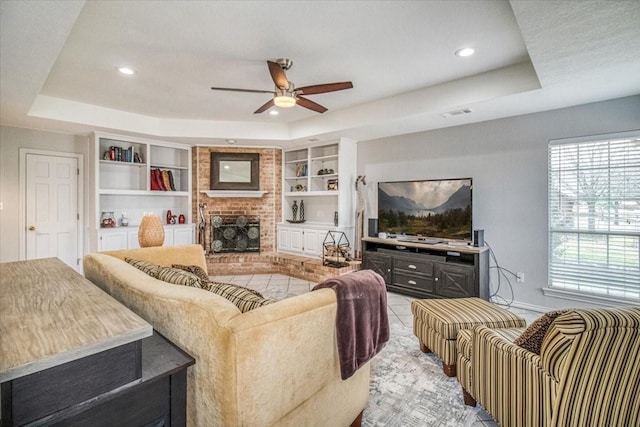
278	286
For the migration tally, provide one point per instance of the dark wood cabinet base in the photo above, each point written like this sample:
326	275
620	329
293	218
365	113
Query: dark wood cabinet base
142	383
429	271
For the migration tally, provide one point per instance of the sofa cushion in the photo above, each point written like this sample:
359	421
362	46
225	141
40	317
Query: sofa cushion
147	267
532	337
179	277
242	297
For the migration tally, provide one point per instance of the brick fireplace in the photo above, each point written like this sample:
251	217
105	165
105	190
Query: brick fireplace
266	209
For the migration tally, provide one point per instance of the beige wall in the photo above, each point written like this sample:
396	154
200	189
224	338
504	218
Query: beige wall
11	140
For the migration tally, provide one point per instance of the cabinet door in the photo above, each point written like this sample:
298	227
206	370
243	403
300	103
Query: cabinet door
132	238
296	240
380	263
313	242
168	236
182	236
113	240
455	281
283	239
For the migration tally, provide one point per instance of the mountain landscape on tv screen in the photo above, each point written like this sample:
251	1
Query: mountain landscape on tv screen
401	214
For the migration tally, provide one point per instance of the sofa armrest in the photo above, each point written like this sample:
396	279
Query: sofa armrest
507	379
286	353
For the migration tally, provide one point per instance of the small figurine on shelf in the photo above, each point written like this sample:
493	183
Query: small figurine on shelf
136	158
173	219
169	216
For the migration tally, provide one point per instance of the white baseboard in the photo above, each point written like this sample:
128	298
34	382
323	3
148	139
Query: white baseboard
525	306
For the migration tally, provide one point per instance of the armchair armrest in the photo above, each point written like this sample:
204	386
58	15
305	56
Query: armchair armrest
508	380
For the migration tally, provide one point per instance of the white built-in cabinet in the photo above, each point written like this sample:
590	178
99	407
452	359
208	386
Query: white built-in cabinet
122	184
322	176
111	239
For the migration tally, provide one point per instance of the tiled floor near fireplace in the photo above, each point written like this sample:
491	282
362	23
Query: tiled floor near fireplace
279	286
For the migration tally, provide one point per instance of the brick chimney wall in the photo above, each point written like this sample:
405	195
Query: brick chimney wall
268	207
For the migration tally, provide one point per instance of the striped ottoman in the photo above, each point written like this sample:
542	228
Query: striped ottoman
436	323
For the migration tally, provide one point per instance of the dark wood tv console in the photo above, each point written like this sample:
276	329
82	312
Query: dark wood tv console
429	270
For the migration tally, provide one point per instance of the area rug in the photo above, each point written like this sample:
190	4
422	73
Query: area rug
409	389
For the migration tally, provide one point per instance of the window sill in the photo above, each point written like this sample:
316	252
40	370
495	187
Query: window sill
588	298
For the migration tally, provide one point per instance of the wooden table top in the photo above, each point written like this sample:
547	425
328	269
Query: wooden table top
50	315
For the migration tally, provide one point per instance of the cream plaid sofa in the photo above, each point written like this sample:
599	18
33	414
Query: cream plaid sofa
587	373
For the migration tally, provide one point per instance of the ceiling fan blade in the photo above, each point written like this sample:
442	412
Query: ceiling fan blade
230	89
265	107
324	88
278	75
307	103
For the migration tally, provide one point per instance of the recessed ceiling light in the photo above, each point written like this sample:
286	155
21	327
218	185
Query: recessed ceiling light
467	51
231	141
125	70
273	112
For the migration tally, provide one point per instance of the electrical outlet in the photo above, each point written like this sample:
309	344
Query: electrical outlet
520	277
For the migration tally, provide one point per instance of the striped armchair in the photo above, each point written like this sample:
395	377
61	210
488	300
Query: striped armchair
587	373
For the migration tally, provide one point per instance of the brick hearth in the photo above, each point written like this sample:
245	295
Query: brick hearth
291	265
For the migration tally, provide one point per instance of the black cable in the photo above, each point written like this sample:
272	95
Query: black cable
501	272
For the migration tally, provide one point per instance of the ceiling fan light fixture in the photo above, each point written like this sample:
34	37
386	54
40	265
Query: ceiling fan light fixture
284	101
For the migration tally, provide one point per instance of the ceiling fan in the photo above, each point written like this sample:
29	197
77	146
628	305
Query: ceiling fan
286	95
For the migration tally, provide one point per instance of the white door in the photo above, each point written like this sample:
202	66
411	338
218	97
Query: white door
51	209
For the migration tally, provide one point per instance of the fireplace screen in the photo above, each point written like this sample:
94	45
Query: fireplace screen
235	234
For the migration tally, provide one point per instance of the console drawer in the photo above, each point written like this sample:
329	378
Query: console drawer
414	281
413	265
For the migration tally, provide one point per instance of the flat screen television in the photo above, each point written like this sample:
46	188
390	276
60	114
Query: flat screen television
437	208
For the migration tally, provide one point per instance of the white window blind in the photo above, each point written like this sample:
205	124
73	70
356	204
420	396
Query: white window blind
594	216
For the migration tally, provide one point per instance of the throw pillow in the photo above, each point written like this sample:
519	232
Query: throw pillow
242	297
179	277
204	276
532	337
194	269
147	267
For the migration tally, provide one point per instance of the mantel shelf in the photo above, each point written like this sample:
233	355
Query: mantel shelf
234	193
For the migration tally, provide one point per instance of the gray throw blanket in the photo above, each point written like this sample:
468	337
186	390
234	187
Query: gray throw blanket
361	322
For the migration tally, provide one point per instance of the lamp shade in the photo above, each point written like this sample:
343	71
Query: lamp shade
151	231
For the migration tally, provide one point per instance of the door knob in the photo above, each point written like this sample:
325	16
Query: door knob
32	228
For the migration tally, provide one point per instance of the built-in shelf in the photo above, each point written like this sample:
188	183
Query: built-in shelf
234	193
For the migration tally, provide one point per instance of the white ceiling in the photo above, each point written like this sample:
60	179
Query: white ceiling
58	59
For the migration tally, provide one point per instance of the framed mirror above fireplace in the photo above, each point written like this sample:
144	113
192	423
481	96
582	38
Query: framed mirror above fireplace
235	171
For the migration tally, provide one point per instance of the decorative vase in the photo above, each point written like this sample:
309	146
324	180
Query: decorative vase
151	231
169	216
107	220
181	219
294	210
335	218
301	210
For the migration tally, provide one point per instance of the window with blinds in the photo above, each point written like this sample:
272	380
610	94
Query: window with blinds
594	216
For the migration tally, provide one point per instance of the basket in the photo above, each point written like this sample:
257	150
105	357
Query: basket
151	231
